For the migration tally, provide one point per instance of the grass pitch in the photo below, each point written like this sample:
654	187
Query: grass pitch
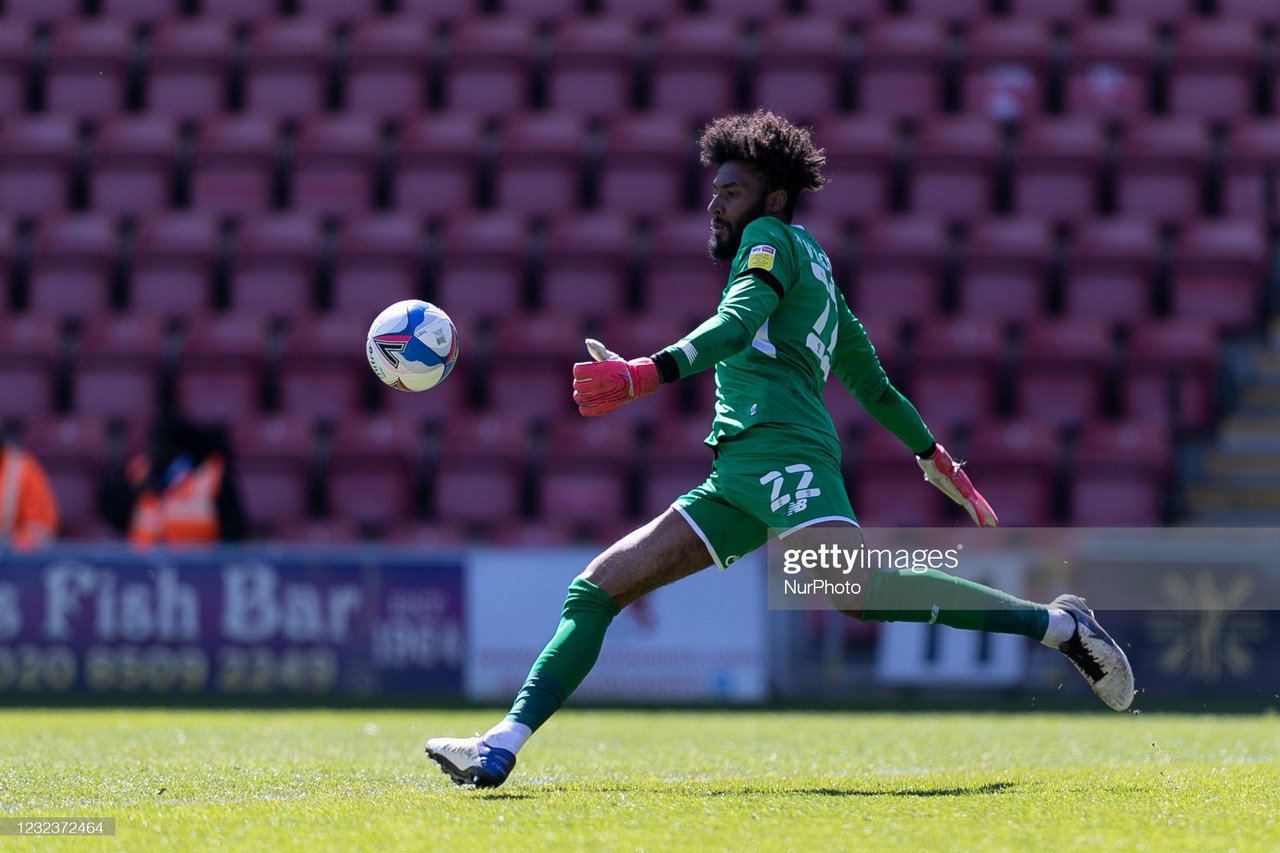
670	780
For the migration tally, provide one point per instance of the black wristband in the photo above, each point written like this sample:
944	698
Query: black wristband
668	370
928	454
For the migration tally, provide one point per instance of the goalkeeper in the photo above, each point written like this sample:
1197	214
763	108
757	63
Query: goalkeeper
780	329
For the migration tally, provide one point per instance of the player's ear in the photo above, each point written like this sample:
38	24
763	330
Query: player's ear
775	202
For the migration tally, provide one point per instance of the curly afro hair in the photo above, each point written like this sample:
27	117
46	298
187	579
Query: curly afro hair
782	153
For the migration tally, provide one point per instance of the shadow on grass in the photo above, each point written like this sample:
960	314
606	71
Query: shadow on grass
760	791
963	791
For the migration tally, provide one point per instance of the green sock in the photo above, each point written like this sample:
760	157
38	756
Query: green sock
931	596
568	657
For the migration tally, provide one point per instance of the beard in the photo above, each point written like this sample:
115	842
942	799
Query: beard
724	248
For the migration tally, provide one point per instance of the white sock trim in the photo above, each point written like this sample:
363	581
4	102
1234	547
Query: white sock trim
508	735
1061	626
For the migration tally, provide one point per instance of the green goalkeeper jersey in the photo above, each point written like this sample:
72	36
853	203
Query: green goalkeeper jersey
781	328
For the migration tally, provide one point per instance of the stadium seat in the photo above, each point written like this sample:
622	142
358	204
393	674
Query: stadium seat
379	262
286	67
319	533
680	279
644	162
846	412
238	11
15	48
1062	365
219	371
41	10
71	448
333	168
1251	183
141	11
372	464
1051	10
901	67
845	11
1057	167
273	457
36	155
531	371
953	169
861	150
585	470
540	167
430	537
1015	463
1006	268
387	66
954	365
948	10
116	373
1118	475
187	68
482	264
232	164
1109	269
1005	67
436	163
71	264
478	476
695	67
1154	10
29	349
799	64
171	271
675	461
899	265
1162	163
543	533
339	10
1109	68
587	264
489	63
1169	374
1218	273
321	352
638	335
1255	10
87	65
592	66
1213	69
274	264
132	163
444	400
888	490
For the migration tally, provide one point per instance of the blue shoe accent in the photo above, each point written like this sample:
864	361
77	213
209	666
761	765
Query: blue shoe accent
471	761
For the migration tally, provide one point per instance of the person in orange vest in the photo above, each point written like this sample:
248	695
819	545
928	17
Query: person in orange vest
28	509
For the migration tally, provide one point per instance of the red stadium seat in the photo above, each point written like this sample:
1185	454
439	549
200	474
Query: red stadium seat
1006	268
543	533
172	266
220	368
1119	474
954	168
845	410
323	352
15	49
232	164
680	279
88	62
71	449
273	460
644	162
1052	10
482	265
747	10
132	164
489	64
286	67
319	533
1005	66
899	268
586	467
954	369
1015	462
592	66
436	163
1251	185
844	11
379	262
1255	10
1218	273
587	264
799	66
387	66
71	264
333	170
637	335
901	67
531	372
238	10
887	486
1109	68
445	399
29	349
1162	164
950	10
1062	365
339	10
540	167
860	154
1213	69
431	537
187	68
1169	373
274	264
141	10
1058	167
36	155
371	468
694	67
41	10
1154	10
642	10
676	461
117	367
1109	269
479	473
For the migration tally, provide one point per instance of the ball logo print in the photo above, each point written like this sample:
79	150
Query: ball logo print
412	345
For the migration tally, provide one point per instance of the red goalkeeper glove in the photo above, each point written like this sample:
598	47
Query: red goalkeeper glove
603	385
944	472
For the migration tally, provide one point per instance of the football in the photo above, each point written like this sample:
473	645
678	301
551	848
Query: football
412	345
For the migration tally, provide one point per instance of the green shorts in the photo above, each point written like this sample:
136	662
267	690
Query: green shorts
767	478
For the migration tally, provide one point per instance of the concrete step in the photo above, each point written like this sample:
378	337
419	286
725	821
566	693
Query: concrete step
1250	434
1260	401
1236	495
